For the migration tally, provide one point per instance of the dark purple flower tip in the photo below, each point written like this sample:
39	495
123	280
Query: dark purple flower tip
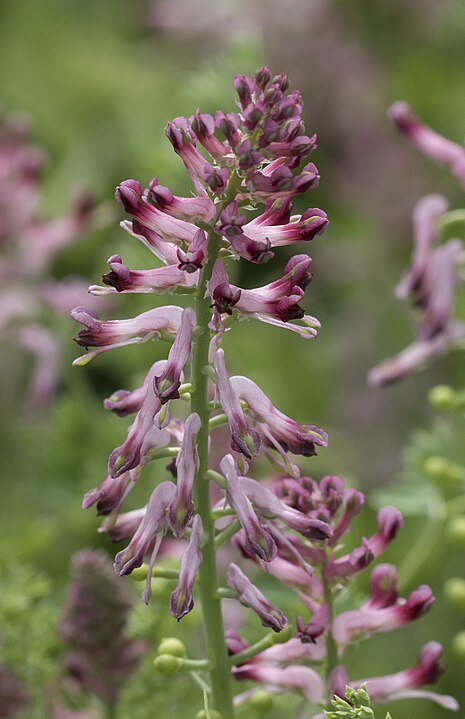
429	668
119	276
247	156
228	124
178	131
166	388
203	125
245	87
390	520
383	586
316	221
403	117
262	77
419	601
129	194
281	81
248	443
225	298
309	632
216	179
259	252
253	114
190	261
159	195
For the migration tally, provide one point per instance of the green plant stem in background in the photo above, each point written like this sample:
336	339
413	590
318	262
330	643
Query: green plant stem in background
207	577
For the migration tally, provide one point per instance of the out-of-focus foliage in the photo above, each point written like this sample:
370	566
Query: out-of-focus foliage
99	84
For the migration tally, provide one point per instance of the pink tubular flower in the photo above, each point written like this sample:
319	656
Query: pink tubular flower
301	228
369	620
107	335
415	357
168	382
383	587
389	522
349	564
183	140
182	602
193	258
124	402
416	283
293	677
258	539
204	126
166	252
192	209
182	507
406	684
276	303
141	433
124	526
109	495
250	596
318	624
129	194
292	436
230	226
278	181
244	438
148	535
428	141
437	331
123	280
270	506
352	502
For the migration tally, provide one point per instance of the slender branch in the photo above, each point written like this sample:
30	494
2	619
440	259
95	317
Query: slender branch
260	646
140	573
227	533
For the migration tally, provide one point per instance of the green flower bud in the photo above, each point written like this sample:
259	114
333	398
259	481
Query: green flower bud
442	397
140	573
458	645
454	590
456	531
212	712
261	701
167	663
442	470
172	646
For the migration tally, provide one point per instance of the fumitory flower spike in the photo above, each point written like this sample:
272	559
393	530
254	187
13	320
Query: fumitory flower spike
246	167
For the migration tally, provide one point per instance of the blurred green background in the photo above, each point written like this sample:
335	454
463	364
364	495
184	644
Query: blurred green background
99	80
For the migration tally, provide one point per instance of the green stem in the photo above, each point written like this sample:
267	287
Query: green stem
331	648
265	643
207	576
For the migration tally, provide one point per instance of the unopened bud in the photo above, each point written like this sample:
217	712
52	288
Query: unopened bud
172	646
140	573
454	591
442	470
212	713
456	531
261	702
167	663
284	636
442	397
458	645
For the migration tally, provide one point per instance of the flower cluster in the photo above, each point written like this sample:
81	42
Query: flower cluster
257	156
28	247
431	282
318	575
